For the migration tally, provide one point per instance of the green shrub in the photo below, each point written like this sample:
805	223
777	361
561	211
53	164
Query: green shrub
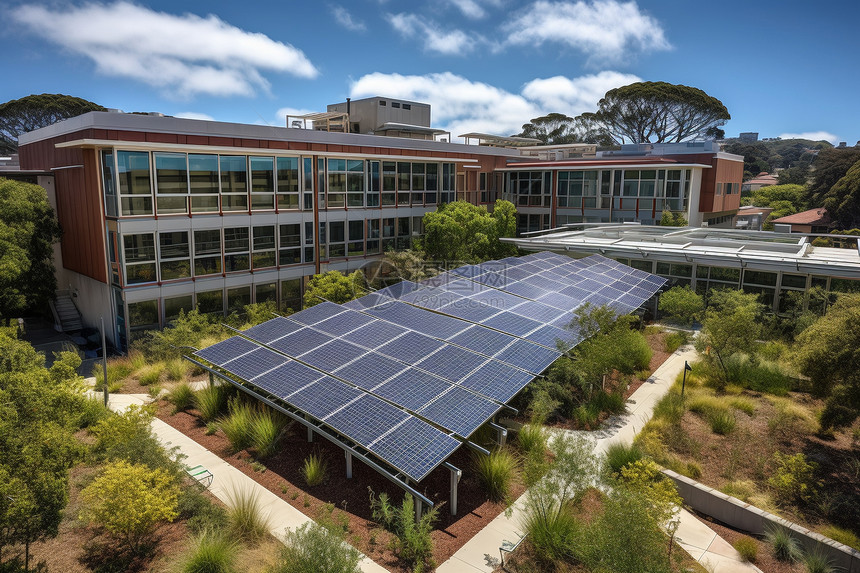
742	490
129	436
313	548
118	370
154	391
414	542
611	402
585	416
790	418
314	470
785	546
212	552
211	428
496	473
840	535
682	305
759	375
745	405
199	512
91	411
675	340
532	438
149	375
669	408
642	374
816	561
258	467
552	533
793	479
136	360
267	429
245	515
212	401
619	455
722	422
177	369
772	350
182	397
747	547
237	424
639	352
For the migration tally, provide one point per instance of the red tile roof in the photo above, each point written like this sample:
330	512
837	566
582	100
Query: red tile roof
811	217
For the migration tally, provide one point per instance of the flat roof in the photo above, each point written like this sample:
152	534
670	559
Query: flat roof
763	250
175	125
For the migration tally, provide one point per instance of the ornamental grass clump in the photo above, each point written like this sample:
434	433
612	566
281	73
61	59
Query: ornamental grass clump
212	401
246	518
267	429
212	552
314	470
496	473
237	424
182	397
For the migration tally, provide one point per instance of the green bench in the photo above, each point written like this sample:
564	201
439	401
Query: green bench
201	474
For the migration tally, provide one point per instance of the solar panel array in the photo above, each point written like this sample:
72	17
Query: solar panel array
400	371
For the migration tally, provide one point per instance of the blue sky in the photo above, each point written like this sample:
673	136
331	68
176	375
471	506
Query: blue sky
780	67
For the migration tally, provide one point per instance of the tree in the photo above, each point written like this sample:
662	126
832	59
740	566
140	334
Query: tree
827	352
798	175
19	116
334	286
682	304
658	112
460	231
316	547
842	201
831	165
28	230
552	129
731	325
129	500
670	219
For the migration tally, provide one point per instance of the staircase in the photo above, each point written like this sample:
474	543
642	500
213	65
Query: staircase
67	318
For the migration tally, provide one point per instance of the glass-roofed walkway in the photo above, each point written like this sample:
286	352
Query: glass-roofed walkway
403	376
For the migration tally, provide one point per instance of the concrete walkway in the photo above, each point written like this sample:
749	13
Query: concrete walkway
481	553
227	478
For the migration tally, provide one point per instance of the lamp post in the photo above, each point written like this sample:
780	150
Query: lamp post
684	380
104	361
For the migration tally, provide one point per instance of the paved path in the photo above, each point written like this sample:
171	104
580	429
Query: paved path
481	553
226	478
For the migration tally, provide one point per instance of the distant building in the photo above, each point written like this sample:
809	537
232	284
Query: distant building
811	221
751	218
748	136
763	179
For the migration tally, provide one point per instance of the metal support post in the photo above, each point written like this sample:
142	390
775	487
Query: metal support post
211	379
501	433
104	361
310	430
418	508
456	474
348	464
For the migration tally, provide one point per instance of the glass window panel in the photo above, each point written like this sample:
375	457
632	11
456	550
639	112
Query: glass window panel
238	298
143	314
288	174
203	173
171	173
233	263
233	174
236	239
794	281
204	204
172	306
759	278
175	269
234	202
170	205
681	270
266	292
725	274
207	265
207	242
174	244
143	273
210	301
109	182
262	174
133	172
291	295
260	201
138	248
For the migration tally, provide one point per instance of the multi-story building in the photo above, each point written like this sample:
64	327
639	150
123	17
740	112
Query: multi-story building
161	214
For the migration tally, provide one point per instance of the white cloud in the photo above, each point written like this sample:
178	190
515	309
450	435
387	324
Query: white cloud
194	115
605	30
282	113
345	19
575	95
460	105
181	55
813	135
473	8
447	42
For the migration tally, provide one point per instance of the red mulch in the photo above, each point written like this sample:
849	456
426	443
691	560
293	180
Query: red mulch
474	511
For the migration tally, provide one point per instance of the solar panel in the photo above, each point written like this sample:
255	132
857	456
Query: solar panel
526	290
254	363
414	447
226	350
287	378
459	410
398	290
411	347
374	334
483	340
370	370
317	313
366	419
324	397
497	299
300	342
471	310
367	301
537	311
497	381
343	323
451	363
432	298
513	323
420	320
272	330
412	388
549	335
528	356
332	355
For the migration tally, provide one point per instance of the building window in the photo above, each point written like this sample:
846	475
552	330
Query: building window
418	183
404	234
291	295
336	239
203	180
139	256
395	104
388	236
449	177
291	244
372	197
143	315
336	196
309	242
109	182
389	182
135	190
171	183
373	235
529	189
356	238
210	302
407	106
174	255
262	183
266	292
578	189
382	103
264	247
173	306
234	186
308	183
432	183
238	298
207	252
404	174
288	182
355	182
236	249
